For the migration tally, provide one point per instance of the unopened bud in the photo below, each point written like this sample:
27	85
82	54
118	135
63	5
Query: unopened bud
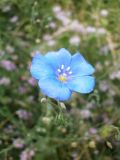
109	144
92	144
46	120
43	100
74	144
62	105
37	40
63	130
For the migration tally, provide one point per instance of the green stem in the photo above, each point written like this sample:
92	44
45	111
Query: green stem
6	149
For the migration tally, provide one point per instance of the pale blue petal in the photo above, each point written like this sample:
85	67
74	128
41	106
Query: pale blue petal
83	84
37	58
54	89
80	66
40	68
56	59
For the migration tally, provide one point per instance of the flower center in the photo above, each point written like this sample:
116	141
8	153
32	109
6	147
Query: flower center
63	73
62	78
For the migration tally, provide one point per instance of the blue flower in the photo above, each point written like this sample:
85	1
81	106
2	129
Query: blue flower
59	74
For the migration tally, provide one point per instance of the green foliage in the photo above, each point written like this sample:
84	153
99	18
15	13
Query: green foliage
88	126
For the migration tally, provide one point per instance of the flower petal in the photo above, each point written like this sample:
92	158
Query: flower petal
54	89
80	66
40	68
58	58
83	84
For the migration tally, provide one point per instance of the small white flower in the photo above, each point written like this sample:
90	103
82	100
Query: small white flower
10	49
51	42
77	27
6	9
23	114
18	143
104	12
98	66
56	9
52	25
14	19
115	75
4	81
75	40
90	29
27	154
103	86
61	16
104	50
47	37
85	113
101	31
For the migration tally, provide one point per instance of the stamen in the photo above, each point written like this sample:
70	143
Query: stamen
70	72
62	66
59	70
64	74
68	68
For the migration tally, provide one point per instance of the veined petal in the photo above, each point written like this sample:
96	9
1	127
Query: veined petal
53	88
80	66
56	59
83	84
40	68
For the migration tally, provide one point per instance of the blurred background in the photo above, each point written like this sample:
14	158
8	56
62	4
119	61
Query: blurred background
33	128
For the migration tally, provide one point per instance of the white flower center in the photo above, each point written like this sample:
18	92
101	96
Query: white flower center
63	73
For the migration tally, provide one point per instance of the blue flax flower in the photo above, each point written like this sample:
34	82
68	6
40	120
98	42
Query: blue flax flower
59	74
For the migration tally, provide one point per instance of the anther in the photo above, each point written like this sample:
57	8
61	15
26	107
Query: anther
62	66
59	70
68	68
70	72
